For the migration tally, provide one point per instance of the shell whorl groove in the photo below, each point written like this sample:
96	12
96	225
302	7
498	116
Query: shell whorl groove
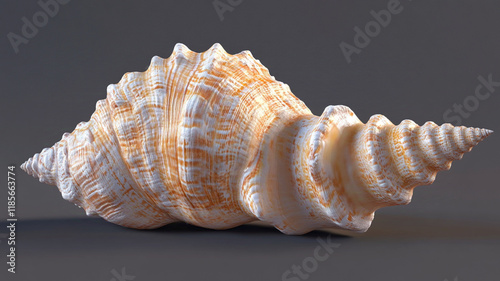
213	140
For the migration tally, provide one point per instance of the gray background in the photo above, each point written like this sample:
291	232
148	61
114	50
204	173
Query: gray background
424	61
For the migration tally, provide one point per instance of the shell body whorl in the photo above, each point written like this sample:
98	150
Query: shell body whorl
213	140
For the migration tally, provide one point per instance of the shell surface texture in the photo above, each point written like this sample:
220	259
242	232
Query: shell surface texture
213	140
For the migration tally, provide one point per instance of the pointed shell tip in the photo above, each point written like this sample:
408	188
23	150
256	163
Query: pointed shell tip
25	166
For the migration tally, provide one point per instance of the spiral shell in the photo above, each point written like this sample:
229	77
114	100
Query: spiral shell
213	140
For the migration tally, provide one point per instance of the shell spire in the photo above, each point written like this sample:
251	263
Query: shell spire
52	166
392	160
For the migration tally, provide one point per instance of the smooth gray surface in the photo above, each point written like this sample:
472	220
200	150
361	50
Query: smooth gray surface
427	59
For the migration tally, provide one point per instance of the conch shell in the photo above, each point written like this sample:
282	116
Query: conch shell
213	140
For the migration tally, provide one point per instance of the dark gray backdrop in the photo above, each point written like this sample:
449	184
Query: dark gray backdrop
427	58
